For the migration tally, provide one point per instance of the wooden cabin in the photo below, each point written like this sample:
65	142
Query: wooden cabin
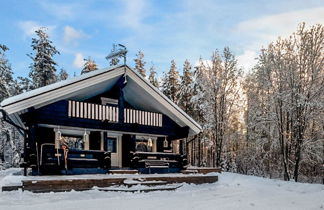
99	121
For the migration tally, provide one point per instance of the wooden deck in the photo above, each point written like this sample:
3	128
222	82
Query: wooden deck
201	170
123	171
81	184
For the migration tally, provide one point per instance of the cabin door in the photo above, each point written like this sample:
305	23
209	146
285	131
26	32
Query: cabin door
114	146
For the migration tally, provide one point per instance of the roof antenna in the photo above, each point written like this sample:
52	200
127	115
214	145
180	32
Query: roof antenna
117	53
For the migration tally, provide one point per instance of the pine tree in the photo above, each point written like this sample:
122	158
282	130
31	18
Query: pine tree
171	84
140	63
152	77
6	79
89	65
63	75
186	91
42	70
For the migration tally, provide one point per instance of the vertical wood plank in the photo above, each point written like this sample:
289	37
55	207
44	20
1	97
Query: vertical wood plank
85	110
136	116
108	113
69	109
144	119
77	109
114	114
117	115
92	111
97	111
160	120
73	108
100	112
103	112
81	109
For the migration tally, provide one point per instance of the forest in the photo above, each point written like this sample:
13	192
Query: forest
266	121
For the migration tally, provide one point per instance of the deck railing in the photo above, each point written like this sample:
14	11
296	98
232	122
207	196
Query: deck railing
111	113
92	111
142	117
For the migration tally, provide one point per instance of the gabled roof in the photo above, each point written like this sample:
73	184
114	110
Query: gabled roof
138	92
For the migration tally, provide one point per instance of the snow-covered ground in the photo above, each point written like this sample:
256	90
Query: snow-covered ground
233	191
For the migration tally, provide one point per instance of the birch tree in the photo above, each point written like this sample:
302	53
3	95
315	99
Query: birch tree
289	79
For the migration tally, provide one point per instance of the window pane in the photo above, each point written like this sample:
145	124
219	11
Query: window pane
112	145
74	142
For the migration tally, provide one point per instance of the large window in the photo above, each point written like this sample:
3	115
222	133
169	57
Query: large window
74	142
112	145
144	144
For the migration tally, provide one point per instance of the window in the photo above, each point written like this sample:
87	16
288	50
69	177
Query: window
112	145
74	142
144	144
109	101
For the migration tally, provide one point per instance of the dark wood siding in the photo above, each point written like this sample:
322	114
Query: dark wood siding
57	114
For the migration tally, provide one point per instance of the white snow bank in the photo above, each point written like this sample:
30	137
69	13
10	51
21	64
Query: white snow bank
233	191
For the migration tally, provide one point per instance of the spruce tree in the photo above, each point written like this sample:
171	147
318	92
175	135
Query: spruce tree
63	75
6	79
89	66
42	70
171	84
140	63
24	84
186	90
199	99
152	77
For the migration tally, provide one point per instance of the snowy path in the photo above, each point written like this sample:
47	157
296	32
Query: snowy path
233	191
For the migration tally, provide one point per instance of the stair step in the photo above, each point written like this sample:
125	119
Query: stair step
11	187
171	188
121	171
189	171
130	183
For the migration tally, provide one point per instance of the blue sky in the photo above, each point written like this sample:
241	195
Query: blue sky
163	30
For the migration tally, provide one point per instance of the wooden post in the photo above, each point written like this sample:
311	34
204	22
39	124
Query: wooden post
199	150
122	83
25	154
86	140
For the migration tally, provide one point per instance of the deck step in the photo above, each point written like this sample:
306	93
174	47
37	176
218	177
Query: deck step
11	188
132	182
189	171
122	171
204	170
169	188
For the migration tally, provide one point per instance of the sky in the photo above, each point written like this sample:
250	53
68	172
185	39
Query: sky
162	29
